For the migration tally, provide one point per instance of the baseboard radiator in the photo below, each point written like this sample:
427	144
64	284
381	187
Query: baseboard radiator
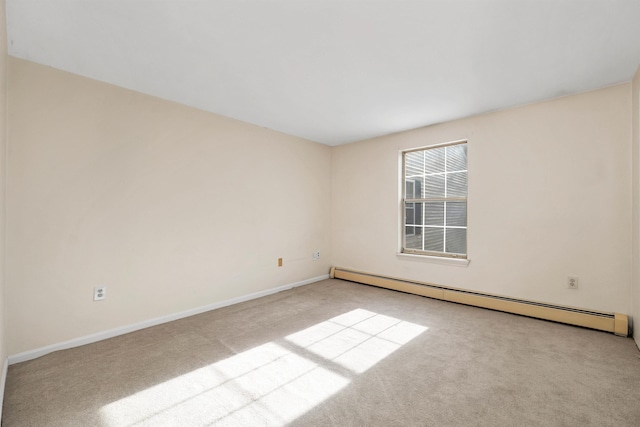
610	322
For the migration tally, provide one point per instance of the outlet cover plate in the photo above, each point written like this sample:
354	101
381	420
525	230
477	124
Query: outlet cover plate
99	293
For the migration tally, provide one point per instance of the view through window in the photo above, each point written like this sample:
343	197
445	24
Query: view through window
435	201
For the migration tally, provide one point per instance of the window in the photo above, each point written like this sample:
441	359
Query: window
435	201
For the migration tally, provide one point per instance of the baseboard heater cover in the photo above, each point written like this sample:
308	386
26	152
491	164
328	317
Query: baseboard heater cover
610	322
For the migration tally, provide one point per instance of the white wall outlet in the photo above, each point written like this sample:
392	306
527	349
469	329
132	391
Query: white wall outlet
99	293
572	282
316	255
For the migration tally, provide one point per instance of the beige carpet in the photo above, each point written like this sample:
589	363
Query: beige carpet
336	353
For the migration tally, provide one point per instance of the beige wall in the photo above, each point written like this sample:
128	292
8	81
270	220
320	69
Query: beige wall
635	144
169	207
3	145
549	187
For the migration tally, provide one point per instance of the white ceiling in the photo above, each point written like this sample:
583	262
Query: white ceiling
336	71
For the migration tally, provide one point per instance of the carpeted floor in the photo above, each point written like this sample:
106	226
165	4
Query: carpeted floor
336	353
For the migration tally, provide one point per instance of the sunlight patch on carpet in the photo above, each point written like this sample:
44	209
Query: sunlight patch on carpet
357	340
272	384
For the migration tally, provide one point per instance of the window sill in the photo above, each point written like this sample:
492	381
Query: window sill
458	262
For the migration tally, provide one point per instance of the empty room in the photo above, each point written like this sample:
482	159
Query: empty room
319	213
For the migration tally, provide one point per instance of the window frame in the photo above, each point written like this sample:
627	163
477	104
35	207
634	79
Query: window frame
404	201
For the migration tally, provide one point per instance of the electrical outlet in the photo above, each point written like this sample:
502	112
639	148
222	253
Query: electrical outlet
572	282
99	293
279	262
316	255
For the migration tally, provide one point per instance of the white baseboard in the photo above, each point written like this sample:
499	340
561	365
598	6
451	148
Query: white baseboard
88	339
3	382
